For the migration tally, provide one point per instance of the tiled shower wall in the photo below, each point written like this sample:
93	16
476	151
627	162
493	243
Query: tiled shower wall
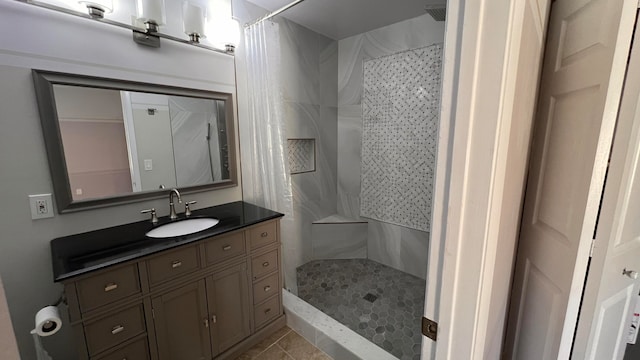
309	81
310	63
399	247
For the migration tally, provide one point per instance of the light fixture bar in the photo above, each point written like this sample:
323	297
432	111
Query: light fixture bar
135	29
274	13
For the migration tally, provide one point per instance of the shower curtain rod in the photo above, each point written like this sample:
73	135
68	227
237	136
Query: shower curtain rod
272	14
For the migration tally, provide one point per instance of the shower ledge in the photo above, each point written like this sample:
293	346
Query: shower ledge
339	219
327	334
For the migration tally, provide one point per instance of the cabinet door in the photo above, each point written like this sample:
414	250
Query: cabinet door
228	296
182	323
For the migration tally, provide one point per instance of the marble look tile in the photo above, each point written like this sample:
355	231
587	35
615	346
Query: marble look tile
335	339
409	34
339	241
300	63
302	327
329	74
399	247
392	245
349	161
337	218
314	193
292	252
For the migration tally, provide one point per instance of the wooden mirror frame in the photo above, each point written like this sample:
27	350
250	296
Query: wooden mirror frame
44	82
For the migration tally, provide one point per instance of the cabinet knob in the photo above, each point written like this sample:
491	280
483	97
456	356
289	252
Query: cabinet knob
176	264
265	264
226	248
267	288
267	311
206	323
214	319
110	287
117	329
264	234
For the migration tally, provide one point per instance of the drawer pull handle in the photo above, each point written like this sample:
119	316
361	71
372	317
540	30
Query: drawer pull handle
117	329
267	288
226	248
264	234
176	264
265	264
267	311
110	287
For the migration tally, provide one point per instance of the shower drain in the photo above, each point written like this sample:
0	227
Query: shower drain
370	297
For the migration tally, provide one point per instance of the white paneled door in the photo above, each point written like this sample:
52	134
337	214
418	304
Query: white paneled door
612	288
583	72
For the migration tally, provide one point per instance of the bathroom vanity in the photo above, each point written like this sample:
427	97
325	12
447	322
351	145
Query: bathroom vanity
208	295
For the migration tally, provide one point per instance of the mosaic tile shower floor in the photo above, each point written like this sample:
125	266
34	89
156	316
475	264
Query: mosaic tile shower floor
380	303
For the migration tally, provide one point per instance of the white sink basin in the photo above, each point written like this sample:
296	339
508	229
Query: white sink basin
182	227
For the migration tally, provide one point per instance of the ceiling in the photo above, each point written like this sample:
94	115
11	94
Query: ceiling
339	19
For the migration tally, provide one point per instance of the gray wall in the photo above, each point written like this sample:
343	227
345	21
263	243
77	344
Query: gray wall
309	80
61	43
399	247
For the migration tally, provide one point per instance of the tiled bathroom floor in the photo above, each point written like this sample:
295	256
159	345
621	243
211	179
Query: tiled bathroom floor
380	303
284	344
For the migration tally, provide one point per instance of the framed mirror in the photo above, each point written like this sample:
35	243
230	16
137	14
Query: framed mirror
115	141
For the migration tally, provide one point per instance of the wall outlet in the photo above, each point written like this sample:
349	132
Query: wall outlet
41	206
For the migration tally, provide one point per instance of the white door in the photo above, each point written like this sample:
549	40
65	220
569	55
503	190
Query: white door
583	71
611	291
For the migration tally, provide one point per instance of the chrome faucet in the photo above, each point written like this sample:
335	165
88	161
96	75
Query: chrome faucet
172	208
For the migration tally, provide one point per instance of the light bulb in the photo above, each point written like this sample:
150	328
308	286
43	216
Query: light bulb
97	8
193	20
151	11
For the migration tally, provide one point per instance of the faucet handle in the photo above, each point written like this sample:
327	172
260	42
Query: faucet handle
187	210
154	217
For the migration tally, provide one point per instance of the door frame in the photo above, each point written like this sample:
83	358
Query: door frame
478	91
479	87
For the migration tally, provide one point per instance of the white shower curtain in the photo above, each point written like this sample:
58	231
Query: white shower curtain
270	183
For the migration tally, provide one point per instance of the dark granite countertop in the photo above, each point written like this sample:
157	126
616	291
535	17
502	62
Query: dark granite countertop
78	254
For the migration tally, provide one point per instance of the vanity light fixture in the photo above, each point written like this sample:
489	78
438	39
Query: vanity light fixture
193	20
231	34
152	14
97	8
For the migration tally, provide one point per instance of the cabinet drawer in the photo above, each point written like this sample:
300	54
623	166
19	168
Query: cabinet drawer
224	247
138	350
267	311
263	235
172	264
266	288
113	329
107	287
264	264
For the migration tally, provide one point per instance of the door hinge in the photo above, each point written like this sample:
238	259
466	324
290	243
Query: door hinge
593	244
429	328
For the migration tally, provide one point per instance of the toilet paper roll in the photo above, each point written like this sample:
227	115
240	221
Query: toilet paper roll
48	321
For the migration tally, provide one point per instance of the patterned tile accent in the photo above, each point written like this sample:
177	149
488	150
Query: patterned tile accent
302	155
340	289
400	109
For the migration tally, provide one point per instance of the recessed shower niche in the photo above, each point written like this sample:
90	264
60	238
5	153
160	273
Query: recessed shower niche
302	155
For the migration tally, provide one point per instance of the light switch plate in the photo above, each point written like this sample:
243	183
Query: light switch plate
148	164
41	206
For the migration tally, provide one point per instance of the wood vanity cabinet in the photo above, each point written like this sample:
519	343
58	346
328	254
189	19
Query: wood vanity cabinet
212	299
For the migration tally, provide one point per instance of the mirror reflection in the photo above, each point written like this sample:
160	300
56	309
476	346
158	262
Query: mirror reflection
118	142
113	141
